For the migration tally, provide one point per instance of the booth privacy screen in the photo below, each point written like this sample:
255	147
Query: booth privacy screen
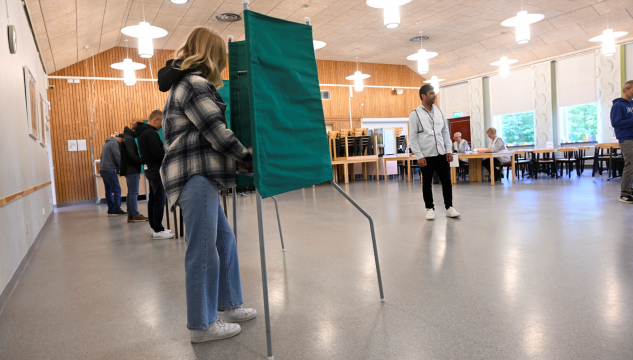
276	105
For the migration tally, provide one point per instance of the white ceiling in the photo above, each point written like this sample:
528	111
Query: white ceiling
465	33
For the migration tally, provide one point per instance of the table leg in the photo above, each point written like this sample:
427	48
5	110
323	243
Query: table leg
513	170
453	175
365	171
346	173
492	171
384	163
409	169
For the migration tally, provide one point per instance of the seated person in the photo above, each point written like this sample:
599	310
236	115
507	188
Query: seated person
460	146
496	145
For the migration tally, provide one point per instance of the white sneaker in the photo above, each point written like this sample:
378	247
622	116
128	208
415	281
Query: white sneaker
154	232
451	212
217	331
238	314
242	194
430	214
163	235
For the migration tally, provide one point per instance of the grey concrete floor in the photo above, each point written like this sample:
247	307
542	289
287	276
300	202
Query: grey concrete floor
539	270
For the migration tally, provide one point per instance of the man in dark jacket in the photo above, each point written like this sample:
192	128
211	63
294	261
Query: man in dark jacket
110	160
131	168
152	154
622	122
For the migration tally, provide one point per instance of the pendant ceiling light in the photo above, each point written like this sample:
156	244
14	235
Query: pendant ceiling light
128	67
608	39
422	57
435	82
145	33
522	24
358	78
179	2
316	43
504	63
392	10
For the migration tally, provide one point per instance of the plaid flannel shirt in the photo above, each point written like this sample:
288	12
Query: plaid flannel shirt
197	140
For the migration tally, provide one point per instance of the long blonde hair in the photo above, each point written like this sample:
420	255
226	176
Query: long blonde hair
205	49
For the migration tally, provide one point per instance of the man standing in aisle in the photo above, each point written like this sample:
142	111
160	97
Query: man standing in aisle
431	144
622	122
152	154
110	160
131	167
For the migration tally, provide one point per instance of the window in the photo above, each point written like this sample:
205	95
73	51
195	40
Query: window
579	123
516	129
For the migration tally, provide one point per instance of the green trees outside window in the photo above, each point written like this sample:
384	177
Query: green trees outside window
582	120
518	128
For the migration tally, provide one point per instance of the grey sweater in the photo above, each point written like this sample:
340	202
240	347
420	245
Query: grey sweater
110	155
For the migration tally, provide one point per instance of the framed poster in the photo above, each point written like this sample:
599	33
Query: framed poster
43	112
31	103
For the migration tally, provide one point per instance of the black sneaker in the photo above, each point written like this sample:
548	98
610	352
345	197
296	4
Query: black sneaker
117	213
626	199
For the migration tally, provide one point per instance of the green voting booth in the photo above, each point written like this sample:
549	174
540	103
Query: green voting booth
276	110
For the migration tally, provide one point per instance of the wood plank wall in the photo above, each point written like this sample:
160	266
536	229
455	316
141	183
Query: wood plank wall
118	105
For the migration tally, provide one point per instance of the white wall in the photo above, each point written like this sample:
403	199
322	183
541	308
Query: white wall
23	161
454	98
628	58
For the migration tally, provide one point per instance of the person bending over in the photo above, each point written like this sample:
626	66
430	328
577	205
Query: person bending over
110	160
431	144
622	122
496	145
200	156
152	154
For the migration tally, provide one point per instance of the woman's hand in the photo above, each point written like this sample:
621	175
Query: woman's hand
248	167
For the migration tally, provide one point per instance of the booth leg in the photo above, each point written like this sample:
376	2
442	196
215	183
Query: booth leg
373	235
235	212
262	253
283	248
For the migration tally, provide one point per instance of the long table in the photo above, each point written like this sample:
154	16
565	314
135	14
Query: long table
474	166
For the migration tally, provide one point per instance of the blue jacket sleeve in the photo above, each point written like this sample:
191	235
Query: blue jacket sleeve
620	118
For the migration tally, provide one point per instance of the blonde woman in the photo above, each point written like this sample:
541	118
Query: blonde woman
200	156
496	145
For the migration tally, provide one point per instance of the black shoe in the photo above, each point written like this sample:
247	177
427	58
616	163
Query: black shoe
117	213
626	199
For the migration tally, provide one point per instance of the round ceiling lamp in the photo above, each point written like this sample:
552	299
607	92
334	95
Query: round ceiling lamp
435	82
422	57
179	2
145	33
128	67
608	39
358	78
318	44
522	24
504	66
391	8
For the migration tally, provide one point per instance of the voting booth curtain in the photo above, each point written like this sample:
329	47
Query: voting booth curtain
277	109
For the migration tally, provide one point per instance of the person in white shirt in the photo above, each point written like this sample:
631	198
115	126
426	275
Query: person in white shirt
460	146
496	145
431	144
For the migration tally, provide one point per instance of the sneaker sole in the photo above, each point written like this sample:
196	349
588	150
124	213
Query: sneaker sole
229	335
430	218
135	221
235	320
456	216
163	237
626	202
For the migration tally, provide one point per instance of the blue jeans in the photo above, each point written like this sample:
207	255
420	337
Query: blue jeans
132	195
112	190
212	271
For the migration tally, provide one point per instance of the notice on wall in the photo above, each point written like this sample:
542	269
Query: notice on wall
81	145
72	145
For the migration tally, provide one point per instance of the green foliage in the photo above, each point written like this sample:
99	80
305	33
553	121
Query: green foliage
518	128
582	120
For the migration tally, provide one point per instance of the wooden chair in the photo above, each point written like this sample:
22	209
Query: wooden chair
569	158
583	157
600	157
544	160
522	163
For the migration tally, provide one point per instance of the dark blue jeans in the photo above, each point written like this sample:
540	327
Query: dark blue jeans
112	190
131	201
156	201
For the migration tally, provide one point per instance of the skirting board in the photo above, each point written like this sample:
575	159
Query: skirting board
15	279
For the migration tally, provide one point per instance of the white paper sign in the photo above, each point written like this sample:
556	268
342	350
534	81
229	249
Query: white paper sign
549	145
81	145
72	145
455	162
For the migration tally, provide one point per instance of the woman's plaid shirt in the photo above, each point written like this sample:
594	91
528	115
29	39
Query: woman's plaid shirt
197	140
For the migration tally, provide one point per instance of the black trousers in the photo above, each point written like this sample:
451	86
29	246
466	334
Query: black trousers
486	164
440	165
156	201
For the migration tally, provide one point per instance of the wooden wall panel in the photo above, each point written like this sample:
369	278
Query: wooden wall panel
118	105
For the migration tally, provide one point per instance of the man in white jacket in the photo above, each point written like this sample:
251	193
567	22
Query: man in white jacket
431	144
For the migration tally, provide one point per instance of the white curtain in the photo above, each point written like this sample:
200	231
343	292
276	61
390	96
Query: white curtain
576	80
513	94
454	99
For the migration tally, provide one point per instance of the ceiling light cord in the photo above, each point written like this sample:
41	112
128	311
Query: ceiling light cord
143	4
6	4
151	74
